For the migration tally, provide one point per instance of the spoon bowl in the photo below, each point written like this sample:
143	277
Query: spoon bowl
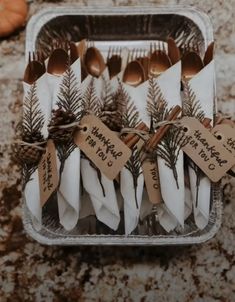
191	65
94	62
58	62
144	61
158	63
133	74
209	54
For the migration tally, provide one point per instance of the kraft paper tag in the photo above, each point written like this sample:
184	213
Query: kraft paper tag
152	182
102	146
205	150
226	135
47	172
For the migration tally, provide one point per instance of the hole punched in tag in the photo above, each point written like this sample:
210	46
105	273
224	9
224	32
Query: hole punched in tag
219	136
84	129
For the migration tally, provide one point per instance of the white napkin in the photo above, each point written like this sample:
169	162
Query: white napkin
131	212
105	206
86	208
138	96
69	190
32	192
174	198
166	219
202	84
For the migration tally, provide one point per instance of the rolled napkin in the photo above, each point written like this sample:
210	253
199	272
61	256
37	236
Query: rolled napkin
102	194
66	99
166	89
131	177
37	98
132	198
105	202
201	92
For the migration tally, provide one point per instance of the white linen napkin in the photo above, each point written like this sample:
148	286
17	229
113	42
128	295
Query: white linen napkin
202	84
102	195
131	211
69	191
32	192
105	207
173	196
138	96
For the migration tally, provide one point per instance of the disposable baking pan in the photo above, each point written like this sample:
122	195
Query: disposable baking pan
132	27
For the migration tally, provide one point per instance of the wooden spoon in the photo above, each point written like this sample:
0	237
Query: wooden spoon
94	62
173	51
58	62
209	54
191	65
159	62
144	61
133	74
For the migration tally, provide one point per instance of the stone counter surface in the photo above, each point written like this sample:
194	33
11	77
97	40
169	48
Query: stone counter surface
31	272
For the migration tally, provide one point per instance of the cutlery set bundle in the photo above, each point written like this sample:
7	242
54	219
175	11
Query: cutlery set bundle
139	95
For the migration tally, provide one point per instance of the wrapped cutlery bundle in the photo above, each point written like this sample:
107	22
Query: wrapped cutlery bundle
119	141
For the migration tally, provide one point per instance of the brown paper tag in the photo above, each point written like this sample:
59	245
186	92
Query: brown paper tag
151	178
102	146
48	174
205	150
226	135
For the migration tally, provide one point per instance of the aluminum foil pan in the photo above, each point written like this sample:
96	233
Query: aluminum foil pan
126	26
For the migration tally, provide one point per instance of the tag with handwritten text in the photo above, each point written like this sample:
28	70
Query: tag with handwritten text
205	150
102	146
47	172
226	135
151	179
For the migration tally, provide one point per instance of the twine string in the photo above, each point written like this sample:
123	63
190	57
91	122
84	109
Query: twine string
36	145
145	134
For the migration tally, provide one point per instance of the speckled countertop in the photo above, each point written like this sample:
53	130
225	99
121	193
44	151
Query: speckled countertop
31	272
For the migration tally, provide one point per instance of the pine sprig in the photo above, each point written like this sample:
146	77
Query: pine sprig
69	97
127	112
90	101
33	119
107	96
129	118
173	140
134	166
156	104
69	102
108	112
27	172
191	106
91	104
30	130
169	149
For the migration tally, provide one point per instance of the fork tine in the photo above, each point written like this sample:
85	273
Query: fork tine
109	53
33	55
